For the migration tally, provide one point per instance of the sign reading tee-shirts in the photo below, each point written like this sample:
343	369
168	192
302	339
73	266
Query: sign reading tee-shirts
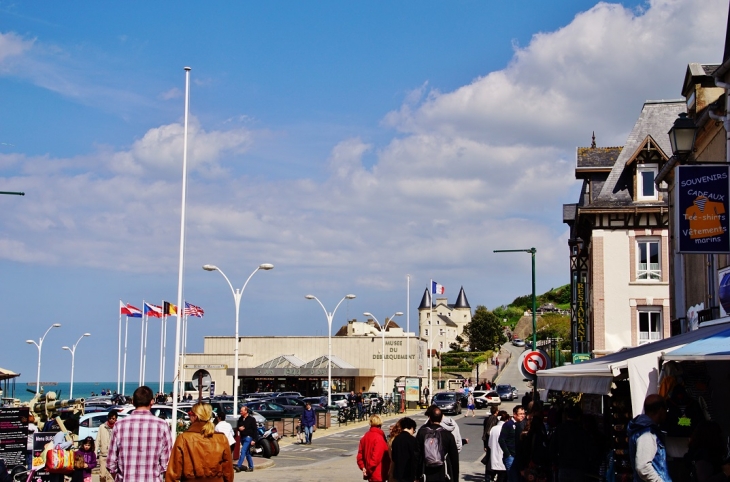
702	193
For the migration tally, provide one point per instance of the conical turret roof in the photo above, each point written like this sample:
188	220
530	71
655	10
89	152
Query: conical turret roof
425	301
461	301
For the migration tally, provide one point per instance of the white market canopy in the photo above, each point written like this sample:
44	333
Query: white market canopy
711	348
642	363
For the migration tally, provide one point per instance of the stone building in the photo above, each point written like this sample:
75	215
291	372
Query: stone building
448	320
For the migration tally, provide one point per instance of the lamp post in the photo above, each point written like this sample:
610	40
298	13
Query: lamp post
532	251
39	345
237	299
382	332
329	316
73	358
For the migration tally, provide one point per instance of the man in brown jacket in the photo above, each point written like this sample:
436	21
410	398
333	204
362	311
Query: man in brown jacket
103	437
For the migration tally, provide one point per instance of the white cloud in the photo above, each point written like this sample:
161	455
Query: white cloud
170	94
12	45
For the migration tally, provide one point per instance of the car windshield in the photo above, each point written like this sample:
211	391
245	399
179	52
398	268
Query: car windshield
504	388
445	397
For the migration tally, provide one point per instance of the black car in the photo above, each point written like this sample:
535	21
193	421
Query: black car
271	410
448	402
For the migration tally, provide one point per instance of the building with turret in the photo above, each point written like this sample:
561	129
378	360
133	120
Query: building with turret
441	322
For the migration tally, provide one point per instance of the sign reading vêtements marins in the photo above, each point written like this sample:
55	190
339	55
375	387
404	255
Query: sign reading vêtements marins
702	209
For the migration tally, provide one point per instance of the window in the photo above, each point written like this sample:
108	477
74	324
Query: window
441	345
645	176
441	331
649	267
650	326
426	331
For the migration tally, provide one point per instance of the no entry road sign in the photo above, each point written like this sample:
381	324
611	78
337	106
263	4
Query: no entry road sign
531	362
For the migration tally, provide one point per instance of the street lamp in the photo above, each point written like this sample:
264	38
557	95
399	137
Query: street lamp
237	299
329	340
682	135
73	358
382	332
532	251
39	345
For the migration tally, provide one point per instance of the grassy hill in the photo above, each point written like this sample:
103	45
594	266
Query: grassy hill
510	314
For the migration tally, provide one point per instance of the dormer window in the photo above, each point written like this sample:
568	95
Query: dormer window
646	190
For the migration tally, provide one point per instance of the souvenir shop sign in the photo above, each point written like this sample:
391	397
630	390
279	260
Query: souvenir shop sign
702	193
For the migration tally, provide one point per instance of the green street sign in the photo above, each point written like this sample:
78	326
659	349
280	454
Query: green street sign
580	357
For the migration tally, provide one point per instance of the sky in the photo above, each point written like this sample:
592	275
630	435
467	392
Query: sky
354	145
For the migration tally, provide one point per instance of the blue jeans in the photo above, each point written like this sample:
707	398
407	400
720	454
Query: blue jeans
245	445
308	434
513	474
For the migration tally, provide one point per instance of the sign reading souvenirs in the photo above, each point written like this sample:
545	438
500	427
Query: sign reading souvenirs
702	193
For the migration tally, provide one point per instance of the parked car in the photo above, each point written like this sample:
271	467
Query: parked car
340	399
288	394
162	411
484	398
505	392
448	402
518	342
514	392
89	423
271	410
316	401
289	403
368	396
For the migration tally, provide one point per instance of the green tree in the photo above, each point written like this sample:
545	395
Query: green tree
484	331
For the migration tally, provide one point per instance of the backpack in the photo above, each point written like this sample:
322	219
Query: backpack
433	450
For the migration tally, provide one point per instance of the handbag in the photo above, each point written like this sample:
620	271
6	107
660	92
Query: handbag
60	461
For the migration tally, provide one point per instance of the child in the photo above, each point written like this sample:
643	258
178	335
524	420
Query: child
87	452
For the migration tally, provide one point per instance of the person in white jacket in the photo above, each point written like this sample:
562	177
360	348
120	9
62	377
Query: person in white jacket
496	466
221	426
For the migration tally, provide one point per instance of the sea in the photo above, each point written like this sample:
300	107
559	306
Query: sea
81	389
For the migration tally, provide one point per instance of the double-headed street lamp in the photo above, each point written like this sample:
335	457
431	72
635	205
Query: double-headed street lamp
237	299
39	345
329	316
382	332
73	358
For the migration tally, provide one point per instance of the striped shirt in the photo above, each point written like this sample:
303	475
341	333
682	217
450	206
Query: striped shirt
140	448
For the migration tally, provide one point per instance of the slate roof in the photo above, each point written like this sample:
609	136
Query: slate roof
447	321
425	301
596	157
461	301
655	120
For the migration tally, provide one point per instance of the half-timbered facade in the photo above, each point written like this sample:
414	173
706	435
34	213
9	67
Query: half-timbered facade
619	238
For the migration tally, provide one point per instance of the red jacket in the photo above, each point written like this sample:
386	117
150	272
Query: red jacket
373	456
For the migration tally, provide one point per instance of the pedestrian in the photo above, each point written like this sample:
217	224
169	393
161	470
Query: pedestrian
426	393
247	430
200	453
372	453
358	403
139	449
508	438
403	452
103	437
647	449
438	456
84	461
533	448
526	399
496	467
470	404
395	430
32	428
308	422
570	447
705	460
487	426
222	426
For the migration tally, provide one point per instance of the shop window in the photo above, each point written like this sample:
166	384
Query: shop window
648	258
650	326
646	190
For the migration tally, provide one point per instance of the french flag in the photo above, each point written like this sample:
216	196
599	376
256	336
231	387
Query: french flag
129	310
437	289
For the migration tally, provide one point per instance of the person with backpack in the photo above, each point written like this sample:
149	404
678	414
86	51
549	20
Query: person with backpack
437	457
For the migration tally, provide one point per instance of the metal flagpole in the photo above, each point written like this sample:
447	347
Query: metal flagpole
141	343
164	354
408	325
162	337
430	344
182	256
144	358
184	348
124	371
119	348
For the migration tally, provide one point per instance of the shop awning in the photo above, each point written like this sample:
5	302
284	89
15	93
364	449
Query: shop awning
712	348
642	362
7	374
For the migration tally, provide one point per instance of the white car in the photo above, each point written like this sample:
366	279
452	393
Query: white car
89	424
340	399
162	411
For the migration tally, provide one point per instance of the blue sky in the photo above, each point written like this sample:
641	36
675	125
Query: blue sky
347	143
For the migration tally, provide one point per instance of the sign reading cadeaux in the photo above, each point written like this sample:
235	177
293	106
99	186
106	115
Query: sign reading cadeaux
702	194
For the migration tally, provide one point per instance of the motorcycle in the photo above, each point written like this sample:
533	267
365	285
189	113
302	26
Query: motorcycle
267	443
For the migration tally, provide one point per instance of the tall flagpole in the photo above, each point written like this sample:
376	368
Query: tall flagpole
430	344
124	371
162	337
176	378
164	354
184	347
144	357
141	344
119	349
408	325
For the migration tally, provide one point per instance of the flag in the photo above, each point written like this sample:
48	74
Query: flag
152	310
169	308
192	310
437	289
129	310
